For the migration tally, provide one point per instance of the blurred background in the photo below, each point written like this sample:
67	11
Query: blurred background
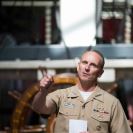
48	36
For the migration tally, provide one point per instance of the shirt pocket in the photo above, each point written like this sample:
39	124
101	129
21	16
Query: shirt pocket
101	116
100	122
69	110
100	113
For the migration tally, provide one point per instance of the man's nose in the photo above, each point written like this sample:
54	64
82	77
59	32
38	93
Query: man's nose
87	67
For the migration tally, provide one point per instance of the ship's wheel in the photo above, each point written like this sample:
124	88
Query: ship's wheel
19	116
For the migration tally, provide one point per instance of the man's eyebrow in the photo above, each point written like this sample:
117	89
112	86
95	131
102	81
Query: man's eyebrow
84	61
92	63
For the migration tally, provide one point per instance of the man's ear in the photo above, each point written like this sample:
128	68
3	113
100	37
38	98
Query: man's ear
101	72
77	66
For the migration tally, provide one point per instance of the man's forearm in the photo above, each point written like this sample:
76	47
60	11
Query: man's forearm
38	103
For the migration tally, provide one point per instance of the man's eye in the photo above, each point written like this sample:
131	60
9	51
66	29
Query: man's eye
91	65
94	65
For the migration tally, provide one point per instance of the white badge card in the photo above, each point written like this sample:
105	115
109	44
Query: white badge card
77	126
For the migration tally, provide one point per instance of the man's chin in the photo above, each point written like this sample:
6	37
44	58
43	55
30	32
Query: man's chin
86	79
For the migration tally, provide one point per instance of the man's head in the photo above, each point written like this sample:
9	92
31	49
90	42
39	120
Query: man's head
90	67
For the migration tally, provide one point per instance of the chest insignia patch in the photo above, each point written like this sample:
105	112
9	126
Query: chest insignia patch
69	105
100	111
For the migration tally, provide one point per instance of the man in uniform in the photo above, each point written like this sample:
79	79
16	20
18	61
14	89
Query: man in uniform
85	102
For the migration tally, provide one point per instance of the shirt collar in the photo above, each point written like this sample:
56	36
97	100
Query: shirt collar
98	93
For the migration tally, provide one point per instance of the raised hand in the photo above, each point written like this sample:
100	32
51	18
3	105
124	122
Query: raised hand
46	82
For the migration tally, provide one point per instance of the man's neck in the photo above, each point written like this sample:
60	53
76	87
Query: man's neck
87	87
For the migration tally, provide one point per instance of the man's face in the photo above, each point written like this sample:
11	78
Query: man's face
89	68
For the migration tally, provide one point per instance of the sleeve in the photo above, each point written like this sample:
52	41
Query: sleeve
53	100
119	122
46	104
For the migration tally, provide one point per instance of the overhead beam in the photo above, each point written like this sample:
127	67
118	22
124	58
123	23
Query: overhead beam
58	52
27	3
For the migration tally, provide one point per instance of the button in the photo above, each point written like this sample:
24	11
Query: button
98	128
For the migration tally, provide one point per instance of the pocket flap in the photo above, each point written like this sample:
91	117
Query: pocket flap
101	116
